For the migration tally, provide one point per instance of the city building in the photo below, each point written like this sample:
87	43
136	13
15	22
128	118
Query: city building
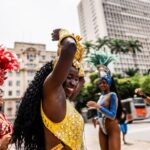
123	19
31	56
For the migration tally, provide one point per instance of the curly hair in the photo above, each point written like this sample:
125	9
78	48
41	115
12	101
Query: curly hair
28	128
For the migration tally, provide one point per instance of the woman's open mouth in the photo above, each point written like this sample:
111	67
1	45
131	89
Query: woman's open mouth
70	89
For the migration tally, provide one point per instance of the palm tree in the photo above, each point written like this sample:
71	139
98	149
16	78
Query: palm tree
116	46
131	72
88	45
134	46
148	71
101	42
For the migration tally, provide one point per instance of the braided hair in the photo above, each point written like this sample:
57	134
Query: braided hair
28	128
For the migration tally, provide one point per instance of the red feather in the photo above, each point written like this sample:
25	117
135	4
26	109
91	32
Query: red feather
8	62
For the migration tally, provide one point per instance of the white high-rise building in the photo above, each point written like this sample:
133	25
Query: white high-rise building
121	19
32	57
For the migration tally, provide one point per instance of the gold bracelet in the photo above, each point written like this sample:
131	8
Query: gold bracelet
63	33
58	147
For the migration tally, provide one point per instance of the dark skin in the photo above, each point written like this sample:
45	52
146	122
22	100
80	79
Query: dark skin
59	86
78	88
111	141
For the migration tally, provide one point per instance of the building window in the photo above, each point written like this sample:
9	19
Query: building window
18	55
31	73
31	66
17	74
29	81
9	111
17	83
17	93
10	93
17	106
31	57
10	83
43	57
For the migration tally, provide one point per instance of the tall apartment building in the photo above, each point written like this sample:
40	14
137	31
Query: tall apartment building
118	19
32	56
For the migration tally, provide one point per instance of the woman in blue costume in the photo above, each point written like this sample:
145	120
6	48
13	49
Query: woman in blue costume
108	108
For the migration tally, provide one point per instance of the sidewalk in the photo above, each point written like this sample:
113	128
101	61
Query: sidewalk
92	143
136	145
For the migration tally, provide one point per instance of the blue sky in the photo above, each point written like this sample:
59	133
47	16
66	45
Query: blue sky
34	20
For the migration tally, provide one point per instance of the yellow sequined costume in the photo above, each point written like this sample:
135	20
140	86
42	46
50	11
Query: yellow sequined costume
70	130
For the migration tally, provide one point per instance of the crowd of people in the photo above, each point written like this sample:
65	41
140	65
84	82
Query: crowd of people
47	119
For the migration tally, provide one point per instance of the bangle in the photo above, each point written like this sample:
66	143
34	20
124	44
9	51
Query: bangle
58	147
64	34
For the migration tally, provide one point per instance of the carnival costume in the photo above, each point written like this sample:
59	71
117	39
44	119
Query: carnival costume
106	111
70	130
8	62
100	60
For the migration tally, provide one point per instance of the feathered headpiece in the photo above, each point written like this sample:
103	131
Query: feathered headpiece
101	60
8	62
79	53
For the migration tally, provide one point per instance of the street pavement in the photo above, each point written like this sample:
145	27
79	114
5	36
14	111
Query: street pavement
138	136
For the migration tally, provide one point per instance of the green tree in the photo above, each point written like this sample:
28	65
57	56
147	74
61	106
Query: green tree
101	42
90	91
126	88
116	46
88	45
146	85
133	46
131	72
117	75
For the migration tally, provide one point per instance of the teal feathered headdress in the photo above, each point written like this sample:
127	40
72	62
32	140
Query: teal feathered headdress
101	60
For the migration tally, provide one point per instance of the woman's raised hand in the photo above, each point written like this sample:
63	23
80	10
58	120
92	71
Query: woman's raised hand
55	34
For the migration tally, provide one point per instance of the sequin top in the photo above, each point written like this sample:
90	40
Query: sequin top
69	130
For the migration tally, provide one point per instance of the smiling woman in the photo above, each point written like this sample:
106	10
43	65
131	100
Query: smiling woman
71	82
46	120
109	110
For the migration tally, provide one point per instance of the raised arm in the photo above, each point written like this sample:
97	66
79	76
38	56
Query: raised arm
61	70
139	92
111	112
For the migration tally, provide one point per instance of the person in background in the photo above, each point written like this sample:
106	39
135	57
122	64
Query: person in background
123	124
108	107
140	93
6	128
8	62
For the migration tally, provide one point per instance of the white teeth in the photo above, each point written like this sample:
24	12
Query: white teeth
70	89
